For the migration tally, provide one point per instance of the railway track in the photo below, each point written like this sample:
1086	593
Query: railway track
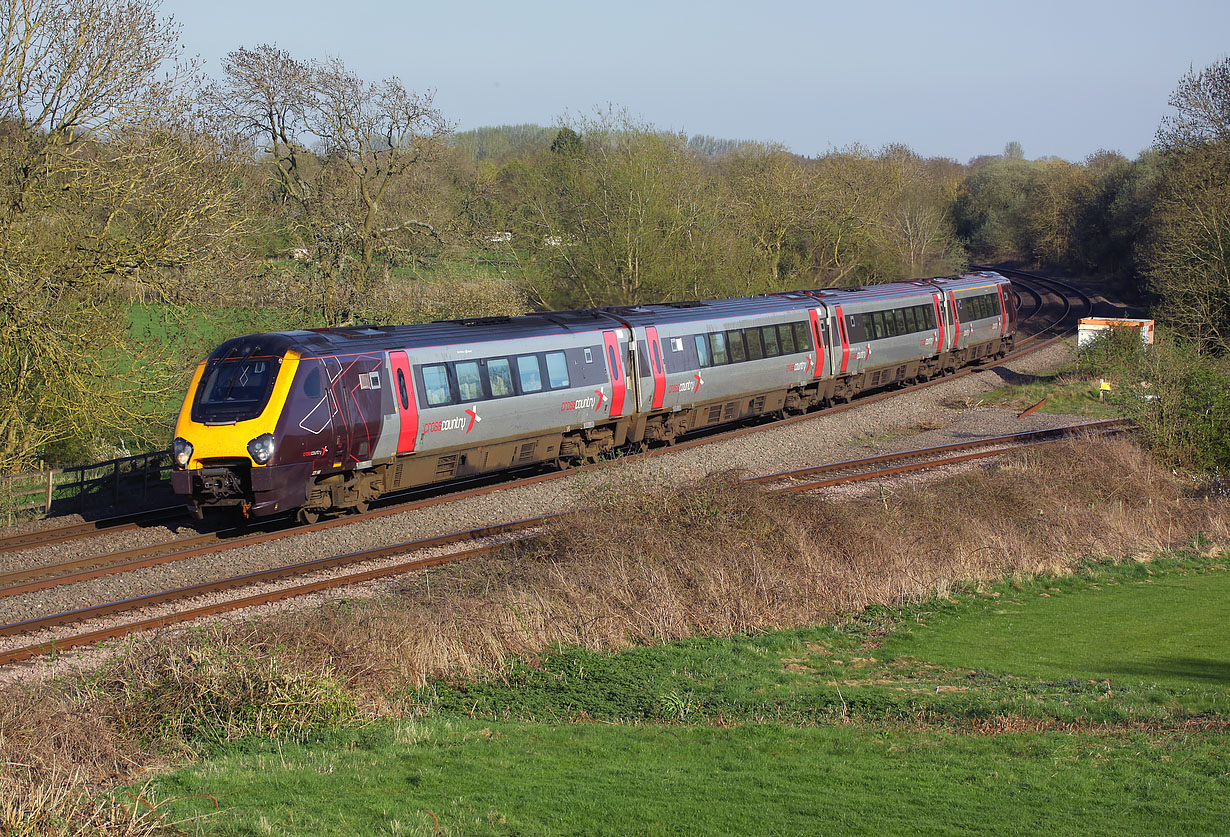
1048	320
180	605
1054	326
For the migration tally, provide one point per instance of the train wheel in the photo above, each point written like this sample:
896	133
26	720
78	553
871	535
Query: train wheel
308	516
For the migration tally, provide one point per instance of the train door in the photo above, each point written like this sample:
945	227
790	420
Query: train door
838	328
407	408
1005	309
941	322
615	369
654	349
956	319
820	335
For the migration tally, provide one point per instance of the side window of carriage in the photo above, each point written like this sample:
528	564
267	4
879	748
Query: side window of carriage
435	384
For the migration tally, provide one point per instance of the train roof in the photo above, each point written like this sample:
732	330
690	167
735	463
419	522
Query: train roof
674	312
376	338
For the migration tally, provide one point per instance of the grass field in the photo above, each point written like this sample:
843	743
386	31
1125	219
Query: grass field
1089	703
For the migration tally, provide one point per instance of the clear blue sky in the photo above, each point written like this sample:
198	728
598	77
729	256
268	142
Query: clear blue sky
945	77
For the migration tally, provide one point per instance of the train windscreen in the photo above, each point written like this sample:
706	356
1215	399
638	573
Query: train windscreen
234	389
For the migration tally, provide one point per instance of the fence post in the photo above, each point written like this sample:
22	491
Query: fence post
81	490
51	481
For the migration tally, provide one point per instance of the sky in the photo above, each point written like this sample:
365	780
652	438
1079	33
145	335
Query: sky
946	78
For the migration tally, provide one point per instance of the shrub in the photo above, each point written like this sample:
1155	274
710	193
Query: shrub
1178	397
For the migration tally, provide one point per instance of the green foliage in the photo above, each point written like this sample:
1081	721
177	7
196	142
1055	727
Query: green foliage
501	143
991	208
1179	397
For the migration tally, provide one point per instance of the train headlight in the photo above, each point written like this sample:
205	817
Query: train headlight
261	448
181	450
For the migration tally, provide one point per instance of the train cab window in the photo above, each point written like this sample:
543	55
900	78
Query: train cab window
435	385
557	370
312	387
785	335
802	338
720	355
529	372
234	389
469	381
768	336
499	377
702	349
755	349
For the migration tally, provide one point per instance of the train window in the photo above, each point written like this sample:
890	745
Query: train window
435	385
702	349
899	322
529	371
401	390
755	348
785	336
312	386
734	343
802	338
910	322
557	370
768	336
499	377
469	381
875	325
657	358
720	355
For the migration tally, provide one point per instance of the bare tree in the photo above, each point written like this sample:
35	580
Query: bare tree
267	94
378	131
113	189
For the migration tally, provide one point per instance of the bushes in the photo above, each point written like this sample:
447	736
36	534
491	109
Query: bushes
1180	399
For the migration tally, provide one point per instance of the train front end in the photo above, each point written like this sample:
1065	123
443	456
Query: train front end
225	449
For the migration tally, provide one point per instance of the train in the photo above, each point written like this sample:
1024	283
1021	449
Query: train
324	421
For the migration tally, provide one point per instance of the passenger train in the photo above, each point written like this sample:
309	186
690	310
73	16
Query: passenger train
327	420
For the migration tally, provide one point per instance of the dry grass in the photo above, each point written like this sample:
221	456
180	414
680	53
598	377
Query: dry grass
719	557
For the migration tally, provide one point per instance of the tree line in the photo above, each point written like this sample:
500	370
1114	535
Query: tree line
293	188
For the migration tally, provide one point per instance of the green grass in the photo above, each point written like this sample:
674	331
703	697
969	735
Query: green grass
1065	394
483	777
1093	702
1171	630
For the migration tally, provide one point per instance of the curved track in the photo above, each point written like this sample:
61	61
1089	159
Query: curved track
1048	318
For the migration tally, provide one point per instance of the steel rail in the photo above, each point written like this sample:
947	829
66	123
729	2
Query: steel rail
51	575
1118	425
924	465
308	567
76	531
262	576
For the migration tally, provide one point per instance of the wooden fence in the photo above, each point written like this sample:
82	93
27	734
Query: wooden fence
131	481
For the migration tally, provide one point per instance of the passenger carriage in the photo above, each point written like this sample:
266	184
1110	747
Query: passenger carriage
330	419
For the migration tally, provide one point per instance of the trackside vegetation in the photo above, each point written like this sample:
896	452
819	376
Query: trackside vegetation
209	194
784	634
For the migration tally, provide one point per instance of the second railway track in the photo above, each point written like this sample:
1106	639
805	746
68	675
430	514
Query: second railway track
86	567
